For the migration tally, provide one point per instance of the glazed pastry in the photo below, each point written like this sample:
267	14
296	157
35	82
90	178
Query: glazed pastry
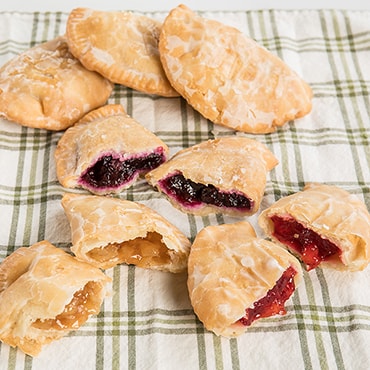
122	46
106	151
225	175
235	278
323	225
45	293
46	87
228	77
109	231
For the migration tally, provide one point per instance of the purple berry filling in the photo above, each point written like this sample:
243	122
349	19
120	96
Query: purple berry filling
112	171
191	194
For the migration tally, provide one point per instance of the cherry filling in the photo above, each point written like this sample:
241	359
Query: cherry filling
311	247
192	194
113	171
273	302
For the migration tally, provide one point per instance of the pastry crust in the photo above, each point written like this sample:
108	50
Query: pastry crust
108	130
229	269
109	231
36	286
231	164
46	87
122	46
228	77
333	213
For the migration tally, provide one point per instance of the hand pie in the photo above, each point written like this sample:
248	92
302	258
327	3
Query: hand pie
109	231
323	225
228	77
235	278
46	87
44	294
225	175
122	46
106	151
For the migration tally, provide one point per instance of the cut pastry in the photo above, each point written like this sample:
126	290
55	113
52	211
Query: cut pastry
106	151
323	225
228	77
122	46
46	87
109	231
225	175
235	278
44	294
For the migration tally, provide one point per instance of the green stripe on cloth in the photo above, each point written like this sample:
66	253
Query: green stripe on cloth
131	319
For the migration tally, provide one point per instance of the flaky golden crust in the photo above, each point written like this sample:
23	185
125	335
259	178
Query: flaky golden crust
335	215
229	269
229	163
98	222
228	77
107	130
122	46
46	87
36	284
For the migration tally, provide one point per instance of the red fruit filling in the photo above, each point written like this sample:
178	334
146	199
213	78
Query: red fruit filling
273	302
113	170
191	194
310	246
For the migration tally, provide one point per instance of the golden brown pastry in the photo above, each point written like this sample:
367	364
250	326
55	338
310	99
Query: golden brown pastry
106	151
235	278
228	77
225	175
46	87
323	225
109	231
122	46
44	294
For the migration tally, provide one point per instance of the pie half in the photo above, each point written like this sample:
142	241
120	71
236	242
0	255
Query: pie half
323	225
235	278
109	231
227	76
106	152
44	294
47	87
225	175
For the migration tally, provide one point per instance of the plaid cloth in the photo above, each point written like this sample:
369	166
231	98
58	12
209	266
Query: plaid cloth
148	322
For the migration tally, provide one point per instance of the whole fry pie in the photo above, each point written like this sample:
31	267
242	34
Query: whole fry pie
225	175
323	225
122	46
109	231
47	87
235	278
45	293
228	77
106	151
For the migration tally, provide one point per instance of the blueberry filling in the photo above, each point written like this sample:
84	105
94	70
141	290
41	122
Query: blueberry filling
112	171
190	194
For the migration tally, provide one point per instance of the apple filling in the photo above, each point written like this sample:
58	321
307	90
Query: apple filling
191	194
142	252
83	304
113	171
309	245
273	302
